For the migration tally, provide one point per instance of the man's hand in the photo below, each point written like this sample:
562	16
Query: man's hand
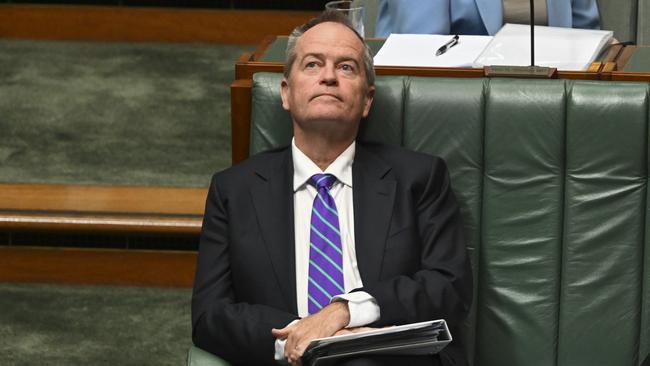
324	323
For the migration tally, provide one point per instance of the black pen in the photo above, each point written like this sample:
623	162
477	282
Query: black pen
447	46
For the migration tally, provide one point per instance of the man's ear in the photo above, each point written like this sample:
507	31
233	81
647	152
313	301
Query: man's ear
368	102
284	93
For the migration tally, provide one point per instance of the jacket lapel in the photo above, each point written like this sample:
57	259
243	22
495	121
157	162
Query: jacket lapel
373	196
272	196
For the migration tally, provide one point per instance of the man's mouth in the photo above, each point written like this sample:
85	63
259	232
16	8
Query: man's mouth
326	95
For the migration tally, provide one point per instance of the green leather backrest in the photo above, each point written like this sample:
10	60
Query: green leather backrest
552	179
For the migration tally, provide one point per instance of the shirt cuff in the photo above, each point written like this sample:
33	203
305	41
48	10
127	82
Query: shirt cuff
362	306
279	345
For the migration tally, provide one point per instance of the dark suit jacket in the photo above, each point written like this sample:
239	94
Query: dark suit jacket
410	251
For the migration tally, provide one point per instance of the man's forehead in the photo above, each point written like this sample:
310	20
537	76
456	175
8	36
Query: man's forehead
329	34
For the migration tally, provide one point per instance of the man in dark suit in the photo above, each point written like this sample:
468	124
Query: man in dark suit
329	235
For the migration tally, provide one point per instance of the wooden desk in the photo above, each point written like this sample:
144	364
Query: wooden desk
269	57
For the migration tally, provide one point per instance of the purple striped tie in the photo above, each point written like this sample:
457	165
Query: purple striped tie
325	250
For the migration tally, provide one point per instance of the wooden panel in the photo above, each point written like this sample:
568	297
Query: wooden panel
595	66
106	199
100	223
96	23
630	76
97	266
609	67
240	100
578	75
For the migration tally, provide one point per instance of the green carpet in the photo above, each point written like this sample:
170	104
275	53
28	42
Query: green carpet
93	325
114	113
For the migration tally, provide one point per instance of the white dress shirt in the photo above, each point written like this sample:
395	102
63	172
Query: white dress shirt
363	307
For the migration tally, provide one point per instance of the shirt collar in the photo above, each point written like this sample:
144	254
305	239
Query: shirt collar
304	168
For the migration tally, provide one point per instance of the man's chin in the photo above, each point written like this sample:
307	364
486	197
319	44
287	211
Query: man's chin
328	118
323	122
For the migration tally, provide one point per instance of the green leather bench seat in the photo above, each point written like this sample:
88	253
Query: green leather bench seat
552	177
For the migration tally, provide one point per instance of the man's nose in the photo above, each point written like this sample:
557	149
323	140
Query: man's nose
329	76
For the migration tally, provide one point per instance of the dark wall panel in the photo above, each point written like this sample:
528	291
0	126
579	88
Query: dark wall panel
217	4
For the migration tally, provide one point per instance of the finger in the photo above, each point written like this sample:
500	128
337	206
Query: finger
294	352
294	360
293	357
364	329
291	343
301	347
280	333
279	329
343	332
287	352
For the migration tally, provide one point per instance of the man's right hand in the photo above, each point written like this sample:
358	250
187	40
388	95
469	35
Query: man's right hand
325	323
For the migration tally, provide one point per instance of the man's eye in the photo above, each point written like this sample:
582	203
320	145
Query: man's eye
310	65
346	67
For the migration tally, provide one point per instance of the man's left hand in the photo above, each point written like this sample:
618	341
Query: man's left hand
324	323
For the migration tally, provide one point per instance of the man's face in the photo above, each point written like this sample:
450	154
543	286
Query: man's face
327	87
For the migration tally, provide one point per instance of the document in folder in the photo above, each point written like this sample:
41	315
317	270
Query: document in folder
420	50
411	339
562	48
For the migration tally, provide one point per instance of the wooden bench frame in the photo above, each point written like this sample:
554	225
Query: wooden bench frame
101	208
82	208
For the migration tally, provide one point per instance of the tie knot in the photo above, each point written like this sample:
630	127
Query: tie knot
322	181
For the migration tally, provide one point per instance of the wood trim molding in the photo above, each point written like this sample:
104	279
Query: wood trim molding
102	199
240	100
132	24
630	76
100	223
88	208
97	266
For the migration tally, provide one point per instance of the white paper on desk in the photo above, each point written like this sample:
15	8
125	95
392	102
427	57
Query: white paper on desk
563	48
419	50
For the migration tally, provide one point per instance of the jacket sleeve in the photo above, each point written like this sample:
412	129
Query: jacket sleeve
236	331
442	285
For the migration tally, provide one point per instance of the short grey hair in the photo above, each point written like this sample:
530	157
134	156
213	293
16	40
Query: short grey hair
335	17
